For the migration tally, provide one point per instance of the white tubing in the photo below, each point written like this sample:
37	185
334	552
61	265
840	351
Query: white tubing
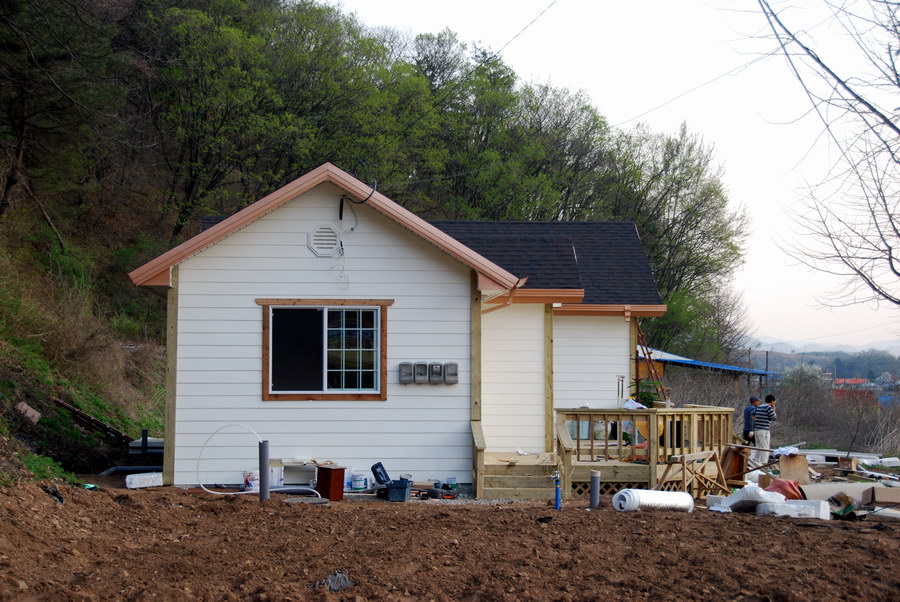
629	500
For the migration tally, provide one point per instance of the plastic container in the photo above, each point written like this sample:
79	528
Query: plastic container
251	480
399	490
359	482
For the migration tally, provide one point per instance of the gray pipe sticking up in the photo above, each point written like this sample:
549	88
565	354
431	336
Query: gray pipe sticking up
263	471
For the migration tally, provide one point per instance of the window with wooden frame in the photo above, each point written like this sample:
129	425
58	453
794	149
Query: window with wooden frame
325	349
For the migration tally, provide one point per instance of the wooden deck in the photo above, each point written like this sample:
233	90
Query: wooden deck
629	448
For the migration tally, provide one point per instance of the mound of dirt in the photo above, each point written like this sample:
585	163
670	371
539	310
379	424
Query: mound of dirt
166	543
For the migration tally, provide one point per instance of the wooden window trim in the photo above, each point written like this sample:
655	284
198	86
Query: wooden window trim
381	395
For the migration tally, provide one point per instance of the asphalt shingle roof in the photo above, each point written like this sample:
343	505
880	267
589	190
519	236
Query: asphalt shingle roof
606	259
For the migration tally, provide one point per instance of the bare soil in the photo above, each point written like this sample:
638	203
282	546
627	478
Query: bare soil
166	543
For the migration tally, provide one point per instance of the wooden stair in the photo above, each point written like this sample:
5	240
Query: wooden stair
519	482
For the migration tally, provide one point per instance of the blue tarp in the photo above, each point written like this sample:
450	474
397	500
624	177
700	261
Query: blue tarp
670	358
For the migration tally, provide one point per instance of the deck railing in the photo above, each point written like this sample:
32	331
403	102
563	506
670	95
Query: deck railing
649	437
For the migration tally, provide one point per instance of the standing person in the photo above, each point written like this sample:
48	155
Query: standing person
762	421
749	414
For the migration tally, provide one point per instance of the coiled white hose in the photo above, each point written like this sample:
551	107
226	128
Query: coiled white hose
629	500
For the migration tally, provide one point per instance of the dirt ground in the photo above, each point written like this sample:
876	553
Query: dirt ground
168	544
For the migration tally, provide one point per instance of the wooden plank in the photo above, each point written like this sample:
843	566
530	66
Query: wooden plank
612	473
548	378
171	379
475	349
794	468
520	494
518	481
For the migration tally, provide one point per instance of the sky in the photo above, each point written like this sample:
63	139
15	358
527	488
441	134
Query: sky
664	63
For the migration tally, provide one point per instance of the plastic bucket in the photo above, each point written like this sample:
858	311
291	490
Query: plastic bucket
451	481
358	482
251	480
348	479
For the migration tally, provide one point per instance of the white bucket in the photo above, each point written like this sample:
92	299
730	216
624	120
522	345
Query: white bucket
251	480
358	482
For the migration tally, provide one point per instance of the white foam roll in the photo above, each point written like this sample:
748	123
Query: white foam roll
629	500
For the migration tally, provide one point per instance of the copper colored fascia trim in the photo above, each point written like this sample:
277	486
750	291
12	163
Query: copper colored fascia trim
156	271
628	311
542	295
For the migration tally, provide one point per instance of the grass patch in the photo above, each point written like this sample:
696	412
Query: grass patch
46	469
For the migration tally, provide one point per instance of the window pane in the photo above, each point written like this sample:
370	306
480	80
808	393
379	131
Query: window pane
335	319
367	360
368	318
351	360
334	380
351	318
367	339
367	380
296	349
334	360
351	380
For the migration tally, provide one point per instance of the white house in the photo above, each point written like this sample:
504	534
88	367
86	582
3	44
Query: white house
337	325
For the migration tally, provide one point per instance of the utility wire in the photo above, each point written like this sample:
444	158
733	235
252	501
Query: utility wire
728	73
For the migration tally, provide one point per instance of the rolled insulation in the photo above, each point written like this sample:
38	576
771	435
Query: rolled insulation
629	500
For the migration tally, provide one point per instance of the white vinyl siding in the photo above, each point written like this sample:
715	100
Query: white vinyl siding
422	430
589	355
513	376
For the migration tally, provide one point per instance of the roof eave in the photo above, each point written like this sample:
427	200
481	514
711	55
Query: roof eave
157	271
542	295
637	311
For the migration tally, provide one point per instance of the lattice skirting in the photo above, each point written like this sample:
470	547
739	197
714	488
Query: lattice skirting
583	489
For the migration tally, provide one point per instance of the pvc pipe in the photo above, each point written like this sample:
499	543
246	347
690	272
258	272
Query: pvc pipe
629	500
263	470
595	488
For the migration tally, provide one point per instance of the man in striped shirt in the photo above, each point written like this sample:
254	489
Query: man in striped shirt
762	421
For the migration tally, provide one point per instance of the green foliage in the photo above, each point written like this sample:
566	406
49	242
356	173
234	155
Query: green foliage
46	469
645	391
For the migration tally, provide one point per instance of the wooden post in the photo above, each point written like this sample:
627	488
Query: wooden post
171	379
653	450
549	439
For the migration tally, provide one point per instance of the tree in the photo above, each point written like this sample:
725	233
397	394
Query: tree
850	220
57	93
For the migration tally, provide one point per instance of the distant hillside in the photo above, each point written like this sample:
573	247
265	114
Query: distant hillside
847	362
767	343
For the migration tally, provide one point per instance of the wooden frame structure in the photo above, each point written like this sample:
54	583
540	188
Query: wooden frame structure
673	449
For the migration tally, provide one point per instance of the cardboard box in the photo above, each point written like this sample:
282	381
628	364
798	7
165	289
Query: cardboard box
880	496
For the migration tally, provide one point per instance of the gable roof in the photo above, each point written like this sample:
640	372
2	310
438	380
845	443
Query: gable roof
157	273
609	261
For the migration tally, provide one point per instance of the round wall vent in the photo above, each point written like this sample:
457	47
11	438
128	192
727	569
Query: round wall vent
324	241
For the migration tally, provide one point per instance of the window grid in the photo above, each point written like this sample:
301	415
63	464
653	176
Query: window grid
351	344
